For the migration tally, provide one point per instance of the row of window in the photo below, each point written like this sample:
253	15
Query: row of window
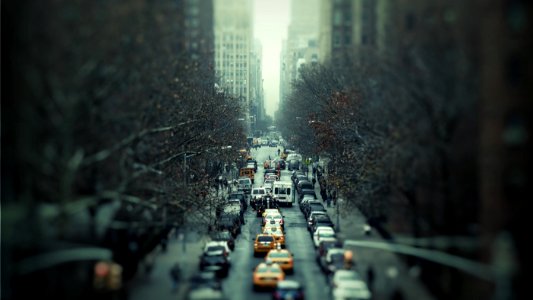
232	46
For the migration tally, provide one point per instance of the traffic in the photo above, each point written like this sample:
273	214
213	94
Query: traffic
273	238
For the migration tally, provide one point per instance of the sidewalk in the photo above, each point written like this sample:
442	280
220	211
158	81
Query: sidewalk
390	273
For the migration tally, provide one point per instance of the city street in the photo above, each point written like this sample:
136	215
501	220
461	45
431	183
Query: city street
238	285
390	273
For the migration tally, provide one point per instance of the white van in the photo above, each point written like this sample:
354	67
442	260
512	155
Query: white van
282	190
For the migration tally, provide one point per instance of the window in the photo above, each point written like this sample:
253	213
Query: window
337	18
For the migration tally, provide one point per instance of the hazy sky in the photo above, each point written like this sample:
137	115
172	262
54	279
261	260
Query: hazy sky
271	19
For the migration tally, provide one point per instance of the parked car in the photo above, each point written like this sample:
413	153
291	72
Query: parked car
288	289
244	184
321	220
304	185
215	261
225	236
311	216
332	261
323	232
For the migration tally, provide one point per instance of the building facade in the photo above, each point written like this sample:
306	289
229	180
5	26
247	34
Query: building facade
301	47
233	47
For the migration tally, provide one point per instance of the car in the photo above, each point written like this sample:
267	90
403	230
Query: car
306	197
268	184
320	220
264	243
344	275
267	275
215	246
224	236
332	261
283	258
323	232
313	206
277	218
293	165
256	195
304	192
305	205
277	233
269	172
313	215
324	245
304	185
351	290
300	177
248	172
215	261
288	289
230	222
241	197
244	184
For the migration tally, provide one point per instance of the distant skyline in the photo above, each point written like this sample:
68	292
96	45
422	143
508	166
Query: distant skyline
271	20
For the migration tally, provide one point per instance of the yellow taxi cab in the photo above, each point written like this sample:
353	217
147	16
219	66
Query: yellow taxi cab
273	218
271	211
247	172
277	232
267	275
264	243
283	258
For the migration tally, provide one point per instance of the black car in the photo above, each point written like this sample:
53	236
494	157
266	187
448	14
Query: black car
304	192
230	222
304	185
215	261
224	236
321	220
313	206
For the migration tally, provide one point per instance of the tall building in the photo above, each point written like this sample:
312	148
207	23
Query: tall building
233	45
198	35
257	109
302	34
346	27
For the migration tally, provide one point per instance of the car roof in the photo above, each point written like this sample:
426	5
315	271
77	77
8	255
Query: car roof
289	284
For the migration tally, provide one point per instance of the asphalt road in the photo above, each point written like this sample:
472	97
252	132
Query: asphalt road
238	285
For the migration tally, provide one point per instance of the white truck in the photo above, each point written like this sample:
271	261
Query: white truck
282	191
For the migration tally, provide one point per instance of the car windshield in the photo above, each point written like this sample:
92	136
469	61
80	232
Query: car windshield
278	254
265	239
215	248
345	276
243	181
327	234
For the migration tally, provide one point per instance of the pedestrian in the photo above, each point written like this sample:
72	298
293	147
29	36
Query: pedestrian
241	216
370	277
175	273
279	151
328	201
314	181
